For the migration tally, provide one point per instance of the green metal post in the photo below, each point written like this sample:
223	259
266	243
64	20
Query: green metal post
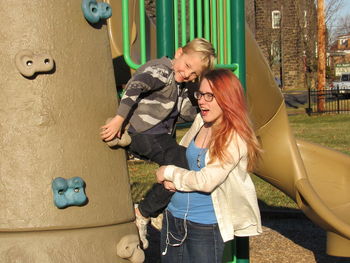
220	49
238	56
183	23
242	248
176	25
228	32
230	252
214	35
192	17
206	20
199	19
165	28
142	31
238	38
126	37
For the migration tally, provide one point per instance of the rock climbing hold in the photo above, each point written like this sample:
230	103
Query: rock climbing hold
68	192
94	11
29	63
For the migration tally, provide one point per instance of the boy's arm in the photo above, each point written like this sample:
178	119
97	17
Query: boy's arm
188	111
152	78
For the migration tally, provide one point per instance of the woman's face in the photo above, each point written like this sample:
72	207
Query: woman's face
210	110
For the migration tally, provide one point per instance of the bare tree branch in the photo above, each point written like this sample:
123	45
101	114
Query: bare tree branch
332	9
343	25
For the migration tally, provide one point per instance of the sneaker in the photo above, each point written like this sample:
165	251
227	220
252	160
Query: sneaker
141	223
157	222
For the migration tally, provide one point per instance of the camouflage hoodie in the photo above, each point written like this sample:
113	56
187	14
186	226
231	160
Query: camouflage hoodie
151	94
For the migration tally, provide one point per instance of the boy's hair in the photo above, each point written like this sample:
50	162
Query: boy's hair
205	48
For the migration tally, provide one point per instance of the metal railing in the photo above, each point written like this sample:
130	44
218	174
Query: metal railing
126	34
336	101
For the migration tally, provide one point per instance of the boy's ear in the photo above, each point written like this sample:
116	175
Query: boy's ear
178	52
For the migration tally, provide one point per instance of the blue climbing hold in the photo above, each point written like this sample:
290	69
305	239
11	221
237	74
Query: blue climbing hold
94	11
68	192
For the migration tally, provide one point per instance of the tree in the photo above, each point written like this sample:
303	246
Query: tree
321	52
343	26
307	24
332	9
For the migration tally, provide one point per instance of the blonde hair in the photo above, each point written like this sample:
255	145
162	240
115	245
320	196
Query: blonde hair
206	50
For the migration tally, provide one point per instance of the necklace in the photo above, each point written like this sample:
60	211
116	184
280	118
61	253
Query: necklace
202	150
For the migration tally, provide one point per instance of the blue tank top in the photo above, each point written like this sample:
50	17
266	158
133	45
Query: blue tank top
197	205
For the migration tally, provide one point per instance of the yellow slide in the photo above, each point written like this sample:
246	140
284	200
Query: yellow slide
317	178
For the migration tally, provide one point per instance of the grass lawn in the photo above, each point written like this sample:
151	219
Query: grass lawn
328	130
332	131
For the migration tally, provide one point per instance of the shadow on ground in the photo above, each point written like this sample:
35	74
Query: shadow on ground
288	236
296	99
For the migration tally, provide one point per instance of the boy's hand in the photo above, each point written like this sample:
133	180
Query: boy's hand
112	129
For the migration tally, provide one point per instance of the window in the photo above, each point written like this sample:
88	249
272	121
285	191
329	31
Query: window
276	19
344	42
345	77
316	49
276	52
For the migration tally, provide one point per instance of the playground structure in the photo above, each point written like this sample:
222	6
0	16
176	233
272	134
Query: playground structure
315	177
58	88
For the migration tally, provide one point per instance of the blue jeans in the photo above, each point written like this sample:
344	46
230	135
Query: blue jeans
203	243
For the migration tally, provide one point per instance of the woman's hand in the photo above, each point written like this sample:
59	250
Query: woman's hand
169	186
160	179
160	174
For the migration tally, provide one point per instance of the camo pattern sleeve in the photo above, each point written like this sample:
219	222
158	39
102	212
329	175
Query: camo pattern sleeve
151	78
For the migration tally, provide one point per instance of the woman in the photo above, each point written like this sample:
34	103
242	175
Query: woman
215	199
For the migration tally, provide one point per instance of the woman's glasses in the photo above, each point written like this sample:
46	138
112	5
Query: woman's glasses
207	96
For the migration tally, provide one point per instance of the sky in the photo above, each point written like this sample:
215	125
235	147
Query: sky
334	27
345	9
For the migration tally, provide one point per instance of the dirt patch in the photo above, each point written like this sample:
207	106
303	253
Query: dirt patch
294	240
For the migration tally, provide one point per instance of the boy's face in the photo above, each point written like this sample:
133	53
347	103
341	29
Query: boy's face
187	67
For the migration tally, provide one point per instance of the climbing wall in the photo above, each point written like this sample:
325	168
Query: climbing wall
64	195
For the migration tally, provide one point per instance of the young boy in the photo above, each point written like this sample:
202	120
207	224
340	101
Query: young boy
153	101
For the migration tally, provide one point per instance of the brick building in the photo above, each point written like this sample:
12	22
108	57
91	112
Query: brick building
286	31
339	55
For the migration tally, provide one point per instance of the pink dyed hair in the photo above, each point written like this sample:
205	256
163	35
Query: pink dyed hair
229	95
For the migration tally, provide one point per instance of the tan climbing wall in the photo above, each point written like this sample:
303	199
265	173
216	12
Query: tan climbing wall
49	123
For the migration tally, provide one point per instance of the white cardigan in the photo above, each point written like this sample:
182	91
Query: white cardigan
232	190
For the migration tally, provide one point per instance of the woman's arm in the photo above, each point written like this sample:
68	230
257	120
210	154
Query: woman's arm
209	177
